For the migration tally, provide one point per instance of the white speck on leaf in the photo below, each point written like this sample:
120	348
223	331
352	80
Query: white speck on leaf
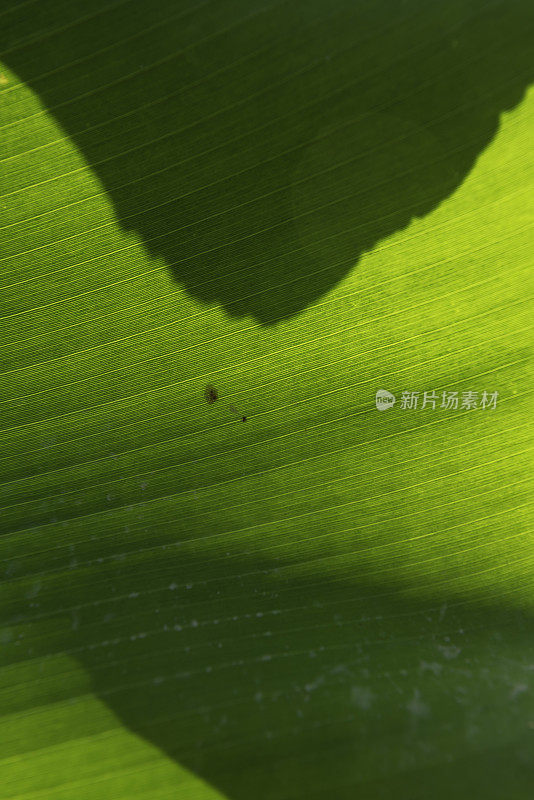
34	590
361	696
416	705
449	651
433	667
518	689
340	669
310	687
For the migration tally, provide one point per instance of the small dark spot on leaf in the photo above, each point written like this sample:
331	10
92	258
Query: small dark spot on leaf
237	413
211	394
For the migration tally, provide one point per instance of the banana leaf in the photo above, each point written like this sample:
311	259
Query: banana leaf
266	411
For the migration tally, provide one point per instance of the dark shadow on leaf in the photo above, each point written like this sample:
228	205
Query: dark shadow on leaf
260	149
269	685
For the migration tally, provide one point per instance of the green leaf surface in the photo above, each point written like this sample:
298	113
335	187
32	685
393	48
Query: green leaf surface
298	204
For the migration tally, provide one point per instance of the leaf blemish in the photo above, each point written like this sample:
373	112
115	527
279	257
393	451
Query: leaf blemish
211	394
238	414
